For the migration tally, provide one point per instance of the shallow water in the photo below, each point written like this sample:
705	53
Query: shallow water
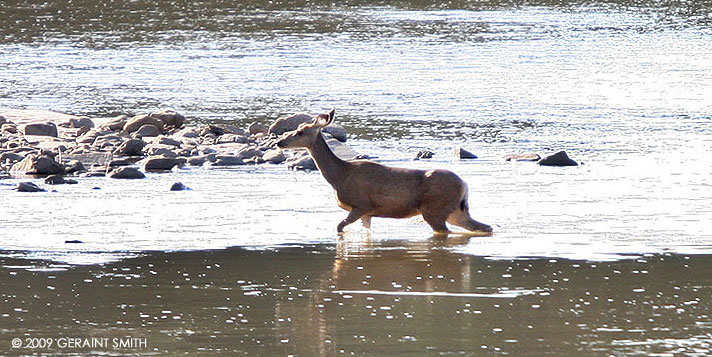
623	87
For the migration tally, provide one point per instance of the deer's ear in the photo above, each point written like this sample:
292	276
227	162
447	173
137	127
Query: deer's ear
331	115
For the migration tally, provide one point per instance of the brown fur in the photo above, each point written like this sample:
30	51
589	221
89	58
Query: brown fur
367	189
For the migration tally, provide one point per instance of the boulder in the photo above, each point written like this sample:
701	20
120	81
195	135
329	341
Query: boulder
558	159
257	128
131	147
90	136
164	140
523	157
138	121
249	152
156	150
74	166
274	156
59	180
160	163
424	154
289	123
127	173
107	140
147	130
28	187
40	129
38	165
169	117
337	131
461	153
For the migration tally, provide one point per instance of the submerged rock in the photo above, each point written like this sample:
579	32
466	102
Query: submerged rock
179	186
558	159
127	173
523	157
59	180
28	187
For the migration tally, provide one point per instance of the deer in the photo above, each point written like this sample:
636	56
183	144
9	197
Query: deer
368	189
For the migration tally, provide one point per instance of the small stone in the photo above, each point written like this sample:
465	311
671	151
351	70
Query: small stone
558	159
231	138
463	154
163	140
178	186
424	154
127	173
40	129
28	187
147	130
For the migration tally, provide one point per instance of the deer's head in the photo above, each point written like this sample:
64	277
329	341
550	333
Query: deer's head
307	133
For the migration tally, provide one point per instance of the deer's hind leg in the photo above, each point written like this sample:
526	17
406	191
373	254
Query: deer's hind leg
461	218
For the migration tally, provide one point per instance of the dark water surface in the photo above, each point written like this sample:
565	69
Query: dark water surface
611	257
398	298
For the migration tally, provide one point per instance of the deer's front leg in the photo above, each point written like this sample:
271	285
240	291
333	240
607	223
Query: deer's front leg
353	216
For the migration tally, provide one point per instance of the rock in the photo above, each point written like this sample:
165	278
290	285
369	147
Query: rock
74	166
138	121
59	180
200	160
257	128
463	154
343	151
131	147
424	154
9	128
337	131
147	130
302	163
110	140
28	187
558	159
523	157
38	165
163	140
115	123
228	160
126	161
92	134
73	241
231	138
274	156
40	129
178	186
127	173
187	133
160	163
81	123
156	150
249	152
169	117
3	120
289	123
10	157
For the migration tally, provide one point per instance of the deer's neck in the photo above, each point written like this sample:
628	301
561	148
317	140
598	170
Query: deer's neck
330	165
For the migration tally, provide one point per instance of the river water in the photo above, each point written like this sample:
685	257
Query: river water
610	257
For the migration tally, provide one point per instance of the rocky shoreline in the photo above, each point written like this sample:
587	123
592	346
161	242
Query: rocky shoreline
55	145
